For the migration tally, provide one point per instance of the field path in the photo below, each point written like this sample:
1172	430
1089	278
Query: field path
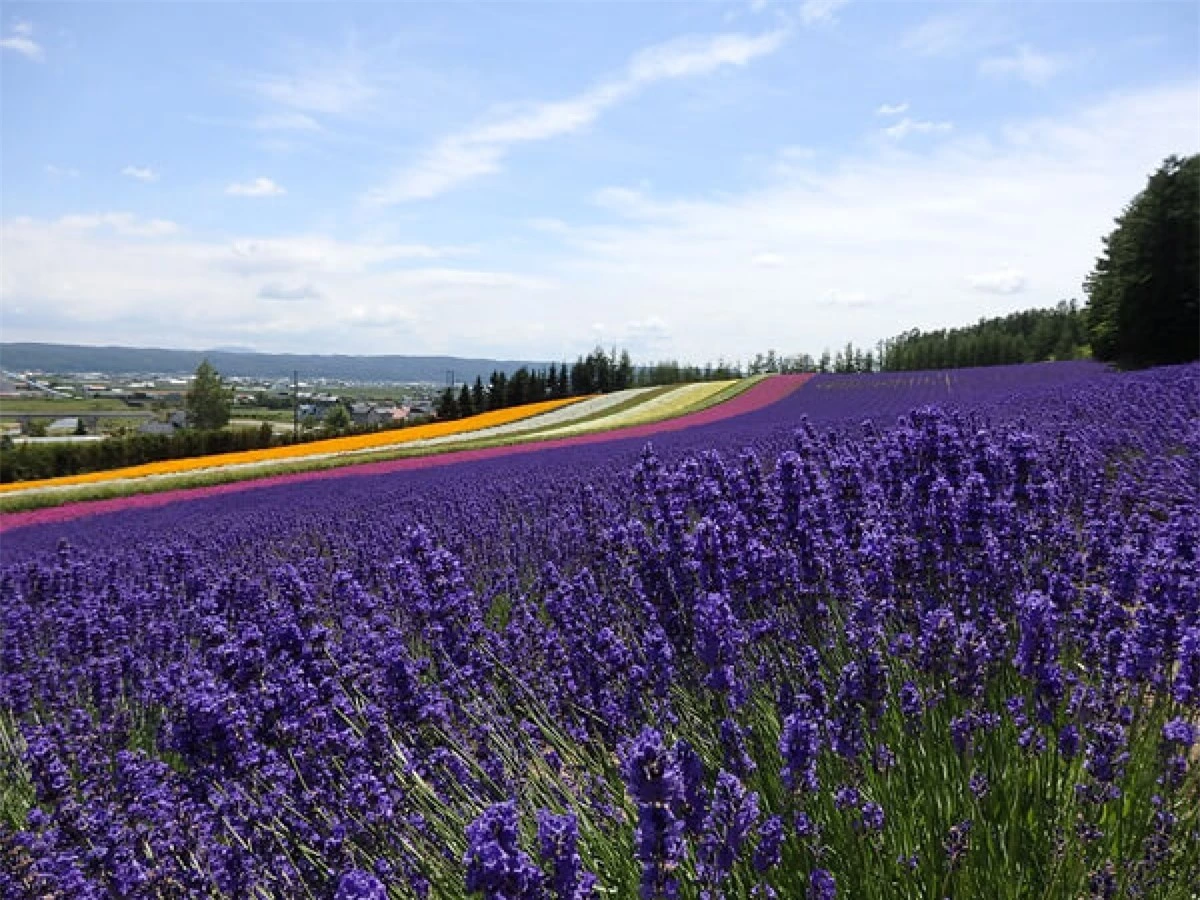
768	391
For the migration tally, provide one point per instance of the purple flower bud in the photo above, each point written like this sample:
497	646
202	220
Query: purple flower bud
821	885
359	885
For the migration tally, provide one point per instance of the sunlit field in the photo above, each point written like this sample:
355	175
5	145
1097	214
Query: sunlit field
905	635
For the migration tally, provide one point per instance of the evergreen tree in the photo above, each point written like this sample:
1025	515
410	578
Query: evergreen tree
478	396
447	406
1144	294
465	406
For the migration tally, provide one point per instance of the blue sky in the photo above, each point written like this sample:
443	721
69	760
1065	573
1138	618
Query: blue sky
530	179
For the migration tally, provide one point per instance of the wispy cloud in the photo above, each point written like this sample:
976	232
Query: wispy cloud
319	82
907	126
318	254
813	12
480	151
122	223
60	171
274	290
1002	281
285	121
259	187
141	173
941	35
888	109
1025	64
20	40
767	260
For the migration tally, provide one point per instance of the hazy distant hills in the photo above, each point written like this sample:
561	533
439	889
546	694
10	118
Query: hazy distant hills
63	358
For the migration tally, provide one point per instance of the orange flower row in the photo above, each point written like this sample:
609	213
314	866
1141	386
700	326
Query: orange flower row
299	451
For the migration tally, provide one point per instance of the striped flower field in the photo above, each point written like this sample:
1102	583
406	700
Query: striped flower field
313	449
533	422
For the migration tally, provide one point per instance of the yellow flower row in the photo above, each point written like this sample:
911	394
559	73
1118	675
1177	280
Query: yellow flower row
298	451
666	405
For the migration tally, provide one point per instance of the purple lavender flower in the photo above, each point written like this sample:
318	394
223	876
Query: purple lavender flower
1180	731
845	796
872	816
1186	686
979	784
558	843
693	805
770	844
800	744
496	866
652	776
732	815
733	744
910	703
821	885
957	843
1068	741
359	885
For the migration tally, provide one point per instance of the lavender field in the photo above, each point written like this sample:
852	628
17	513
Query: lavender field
916	635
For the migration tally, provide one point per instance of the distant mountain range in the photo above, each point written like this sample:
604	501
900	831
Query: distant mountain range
66	358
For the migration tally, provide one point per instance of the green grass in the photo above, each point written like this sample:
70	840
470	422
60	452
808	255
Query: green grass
65	407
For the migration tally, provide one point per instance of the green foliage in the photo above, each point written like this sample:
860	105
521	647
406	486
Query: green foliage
1144	294
208	401
337	419
1034	335
447	405
26	462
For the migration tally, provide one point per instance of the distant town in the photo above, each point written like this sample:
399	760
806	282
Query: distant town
81	406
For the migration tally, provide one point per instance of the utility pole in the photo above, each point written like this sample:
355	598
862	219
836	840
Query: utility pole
295	404
450	378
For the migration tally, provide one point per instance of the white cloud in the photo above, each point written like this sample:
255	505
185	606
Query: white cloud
60	171
888	109
123	223
917	236
259	187
20	40
275	290
965	29
846	299
1025	64
907	126
820	11
379	315
876	242
480	151
331	86
91	278
768	260
286	121
1002	281
140	173
259	256
691	56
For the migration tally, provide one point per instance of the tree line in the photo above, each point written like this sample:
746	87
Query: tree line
599	372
